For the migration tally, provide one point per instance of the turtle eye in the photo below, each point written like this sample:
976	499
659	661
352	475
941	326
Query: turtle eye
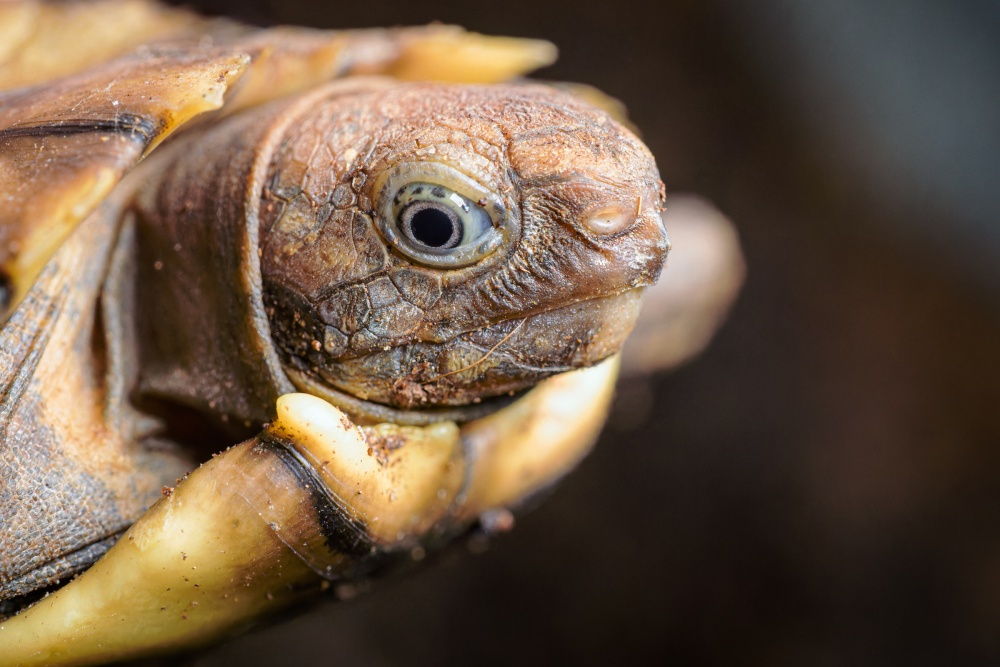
438	216
437	220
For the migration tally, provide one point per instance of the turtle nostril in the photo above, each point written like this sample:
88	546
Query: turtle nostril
610	220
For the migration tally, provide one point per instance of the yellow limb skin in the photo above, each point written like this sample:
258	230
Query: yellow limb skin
199	563
241	537
531	444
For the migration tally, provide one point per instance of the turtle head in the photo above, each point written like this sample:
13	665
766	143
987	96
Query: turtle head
428	245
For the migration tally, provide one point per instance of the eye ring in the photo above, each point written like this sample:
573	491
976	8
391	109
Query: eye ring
437	216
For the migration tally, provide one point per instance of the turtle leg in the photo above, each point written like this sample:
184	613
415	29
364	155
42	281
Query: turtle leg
310	501
522	451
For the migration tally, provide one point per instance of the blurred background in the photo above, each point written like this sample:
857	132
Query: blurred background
822	485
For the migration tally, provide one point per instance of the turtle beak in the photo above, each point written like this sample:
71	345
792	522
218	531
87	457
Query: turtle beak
573	336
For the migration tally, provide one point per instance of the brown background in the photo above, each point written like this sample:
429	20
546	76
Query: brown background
821	487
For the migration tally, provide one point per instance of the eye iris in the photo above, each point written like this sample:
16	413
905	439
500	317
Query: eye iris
431	225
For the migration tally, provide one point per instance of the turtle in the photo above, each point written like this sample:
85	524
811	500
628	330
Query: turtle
284	308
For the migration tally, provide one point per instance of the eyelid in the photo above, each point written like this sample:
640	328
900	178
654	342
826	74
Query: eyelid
436	172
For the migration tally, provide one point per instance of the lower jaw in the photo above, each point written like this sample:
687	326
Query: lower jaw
369	412
476	373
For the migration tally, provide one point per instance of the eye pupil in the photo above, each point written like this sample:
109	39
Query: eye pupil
431	226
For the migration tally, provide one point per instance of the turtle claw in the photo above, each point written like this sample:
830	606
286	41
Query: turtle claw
395	482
